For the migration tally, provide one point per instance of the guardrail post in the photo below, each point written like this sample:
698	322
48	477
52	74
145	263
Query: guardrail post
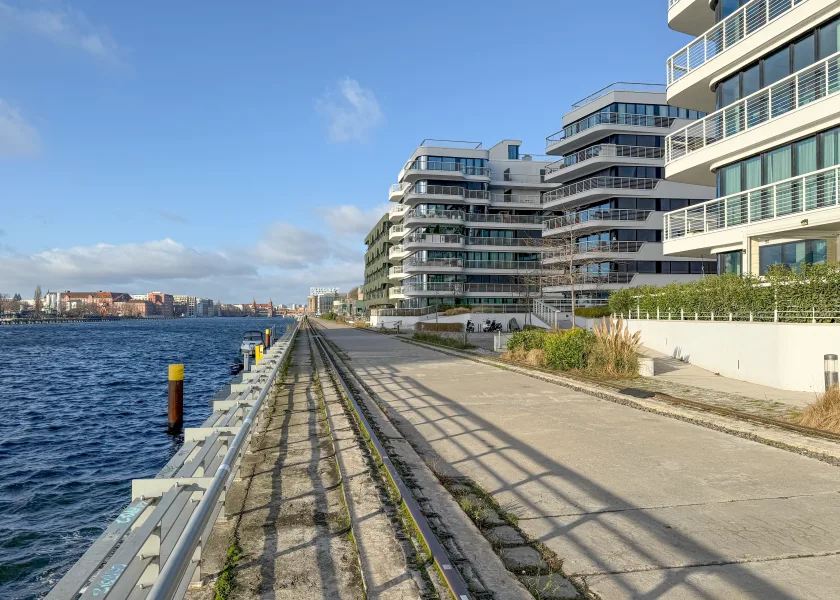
775	315
657	313
682	314
730	316
696	316
713	315
751	316
176	398
813	315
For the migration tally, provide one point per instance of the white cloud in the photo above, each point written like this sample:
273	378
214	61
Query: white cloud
350	111
350	220
17	137
62	26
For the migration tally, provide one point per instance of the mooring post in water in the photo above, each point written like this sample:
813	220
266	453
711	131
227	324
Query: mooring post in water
268	338
176	398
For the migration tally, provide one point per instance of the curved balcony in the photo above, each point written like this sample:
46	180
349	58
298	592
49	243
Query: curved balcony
748	32
586	280
597	188
396	213
690	16
460	265
524	200
398	252
423	218
492	243
793	205
793	103
396	273
598	125
397	232
434	265
396	191
423	169
597	157
457	288
605	250
494	221
396	293
444	193
578	223
433	241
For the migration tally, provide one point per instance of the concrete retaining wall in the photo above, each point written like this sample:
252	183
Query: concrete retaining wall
788	356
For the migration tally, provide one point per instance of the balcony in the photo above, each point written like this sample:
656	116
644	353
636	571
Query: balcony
508	179
434	265
496	242
793	205
398	252
596	188
753	29
794	103
457	288
423	218
420	169
397	273
396	293
519	199
434	241
602	123
585	280
396	191
446	193
597	157
397	232
503	221
690	16
578	223
601	250
458	265
397	212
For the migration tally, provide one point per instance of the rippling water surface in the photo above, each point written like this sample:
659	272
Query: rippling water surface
83	413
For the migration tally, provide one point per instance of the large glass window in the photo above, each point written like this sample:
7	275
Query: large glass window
804	53
729	262
828	39
776	66
806	156
792	254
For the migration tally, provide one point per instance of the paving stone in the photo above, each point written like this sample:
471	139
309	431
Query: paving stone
522	558
550	587
491	517
505	536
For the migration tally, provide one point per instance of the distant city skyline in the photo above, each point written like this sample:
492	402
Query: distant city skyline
139	151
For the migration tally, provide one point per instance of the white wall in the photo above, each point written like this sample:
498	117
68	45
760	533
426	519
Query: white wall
788	356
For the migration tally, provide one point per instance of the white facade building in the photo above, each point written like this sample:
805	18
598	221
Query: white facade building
603	228
466	224
768	74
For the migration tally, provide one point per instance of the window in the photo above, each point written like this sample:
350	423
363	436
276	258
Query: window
776	66
751	81
779	164
792	254
646	266
513	152
804	53
679	267
729	262
806	156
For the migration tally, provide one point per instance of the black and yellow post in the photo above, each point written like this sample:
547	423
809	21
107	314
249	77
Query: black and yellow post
267	339
176	398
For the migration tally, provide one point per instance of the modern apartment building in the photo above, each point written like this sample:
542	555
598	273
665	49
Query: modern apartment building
377	263
768	74
466	224
603	227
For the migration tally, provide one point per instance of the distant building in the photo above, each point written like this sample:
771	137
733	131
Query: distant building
321	299
322	291
104	301
184	306
135	308
262	310
204	308
163	303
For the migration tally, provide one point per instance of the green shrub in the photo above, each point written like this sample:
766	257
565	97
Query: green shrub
449	342
568	350
593	312
530	339
330	316
460	310
423	326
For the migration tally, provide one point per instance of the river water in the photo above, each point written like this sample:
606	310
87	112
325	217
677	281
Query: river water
83	411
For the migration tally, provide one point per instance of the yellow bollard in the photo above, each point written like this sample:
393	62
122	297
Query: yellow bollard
176	398
268	338
258	354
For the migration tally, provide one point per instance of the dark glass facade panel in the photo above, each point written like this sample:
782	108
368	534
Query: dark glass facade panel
729	262
792	254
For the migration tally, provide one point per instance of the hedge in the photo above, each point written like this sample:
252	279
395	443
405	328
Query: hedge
530	339
593	312
422	326
568	350
814	287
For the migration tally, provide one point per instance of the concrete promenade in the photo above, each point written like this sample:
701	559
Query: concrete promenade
636	505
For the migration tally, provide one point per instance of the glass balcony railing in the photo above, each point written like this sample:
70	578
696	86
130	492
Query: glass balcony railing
795	196
812	83
435	215
458	287
594	183
605	151
435	263
451	190
594	247
596	215
741	24
450	167
586	278
608	118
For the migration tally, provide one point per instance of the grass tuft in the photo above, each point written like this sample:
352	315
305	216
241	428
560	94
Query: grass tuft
614	350
224	585
824	413
439	340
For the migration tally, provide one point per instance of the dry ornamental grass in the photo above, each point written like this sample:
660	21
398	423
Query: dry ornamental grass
824	413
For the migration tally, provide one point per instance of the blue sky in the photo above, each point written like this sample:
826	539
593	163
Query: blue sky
243	149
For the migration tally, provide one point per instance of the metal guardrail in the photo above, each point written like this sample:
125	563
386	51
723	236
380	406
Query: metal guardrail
808	85
585	216
613	246
741	24
594	183
608	118
768	316
451	575
624	86
153	548
605	151
796	196
451	167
